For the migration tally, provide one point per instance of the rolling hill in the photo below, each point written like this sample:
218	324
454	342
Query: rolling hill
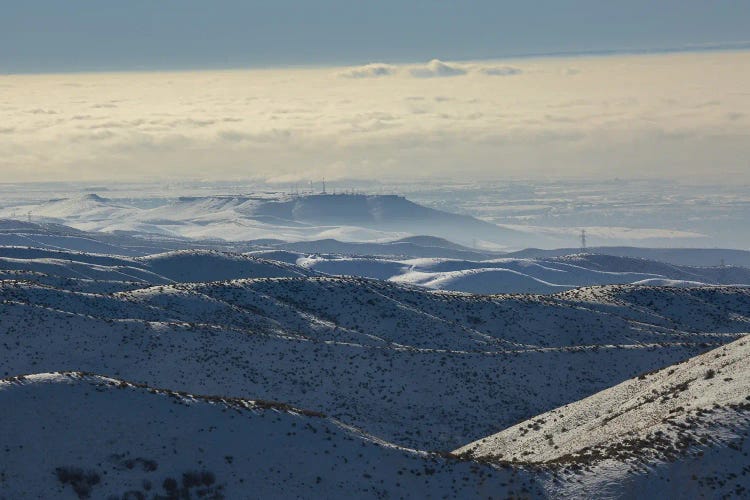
676	432
393	360
515	275
377	379
158	443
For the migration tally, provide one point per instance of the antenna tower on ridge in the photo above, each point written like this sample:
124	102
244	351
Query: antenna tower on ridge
583	240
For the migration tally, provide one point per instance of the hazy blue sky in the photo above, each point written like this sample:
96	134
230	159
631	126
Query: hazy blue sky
57	35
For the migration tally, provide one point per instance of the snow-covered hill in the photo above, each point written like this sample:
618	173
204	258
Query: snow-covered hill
514	275
191	265
102	273
86	209
677	432
393	360
411	247
351	217
423	369
701	257
52	236
73	435
422	260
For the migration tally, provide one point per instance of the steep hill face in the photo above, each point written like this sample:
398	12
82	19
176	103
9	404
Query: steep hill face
71	435
393	360
677	431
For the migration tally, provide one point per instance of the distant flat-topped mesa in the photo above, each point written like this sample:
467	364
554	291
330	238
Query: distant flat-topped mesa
348	217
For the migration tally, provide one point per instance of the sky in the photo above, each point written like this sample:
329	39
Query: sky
96	35
288	90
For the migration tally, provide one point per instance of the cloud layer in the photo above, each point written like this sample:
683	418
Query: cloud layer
373	70
663	116
433	69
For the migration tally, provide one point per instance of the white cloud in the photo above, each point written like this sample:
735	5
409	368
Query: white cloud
437	69
374	70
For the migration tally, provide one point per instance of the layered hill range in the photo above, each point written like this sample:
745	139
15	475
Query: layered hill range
268	215
290	218
208	374
92	258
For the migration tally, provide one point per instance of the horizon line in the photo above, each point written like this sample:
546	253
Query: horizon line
736	46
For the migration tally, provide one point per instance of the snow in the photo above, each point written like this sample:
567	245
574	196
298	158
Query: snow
514	275
350	217
383	355
391	359
206	265
73	435
481	280
678	431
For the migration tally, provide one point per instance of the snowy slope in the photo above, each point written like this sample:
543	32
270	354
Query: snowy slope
206	265
366	267
680	431
70	435
277	255
393	360
60	267
512	275
482	280
86	208
417	246
702	257
423	369
470	272
16	233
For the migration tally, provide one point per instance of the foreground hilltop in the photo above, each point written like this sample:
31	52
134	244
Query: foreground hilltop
680	431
